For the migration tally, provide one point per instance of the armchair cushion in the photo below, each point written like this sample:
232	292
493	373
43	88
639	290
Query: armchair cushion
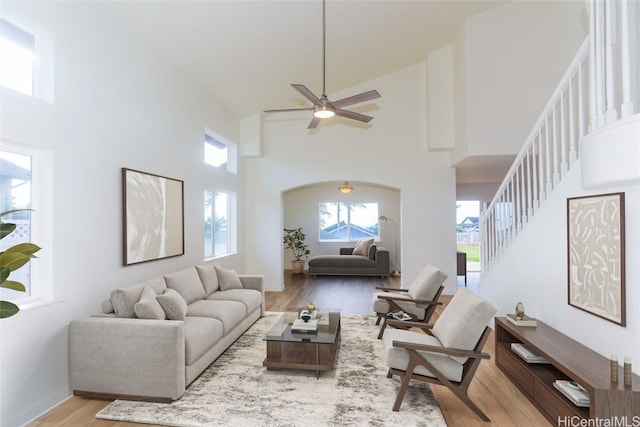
382	306
427	283
463	321
398	357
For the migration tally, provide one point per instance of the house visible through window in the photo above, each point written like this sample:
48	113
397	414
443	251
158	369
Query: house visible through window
348	221
15	193
17	53
219	224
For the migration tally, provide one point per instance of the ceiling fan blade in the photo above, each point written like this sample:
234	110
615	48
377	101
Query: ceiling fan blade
355	99
282	110
307	93
314	123
354	116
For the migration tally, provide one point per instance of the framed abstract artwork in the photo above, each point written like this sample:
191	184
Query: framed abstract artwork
596	265
153	221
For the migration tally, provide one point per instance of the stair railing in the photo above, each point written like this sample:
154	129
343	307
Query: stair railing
598	80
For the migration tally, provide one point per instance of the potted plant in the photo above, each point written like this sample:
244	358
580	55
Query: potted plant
12	259
294	240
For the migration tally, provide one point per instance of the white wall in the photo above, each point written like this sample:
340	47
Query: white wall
300	209
390	152
515	57
115	106
534	271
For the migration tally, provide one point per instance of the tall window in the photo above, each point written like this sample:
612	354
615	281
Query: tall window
219	224
15	193
348	221
219	153
17	48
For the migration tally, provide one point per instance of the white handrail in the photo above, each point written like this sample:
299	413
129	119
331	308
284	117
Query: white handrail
605	95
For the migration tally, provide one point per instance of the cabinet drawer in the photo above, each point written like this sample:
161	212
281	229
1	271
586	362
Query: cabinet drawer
511	365
555	405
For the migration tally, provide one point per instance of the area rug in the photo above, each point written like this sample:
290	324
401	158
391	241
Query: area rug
236	390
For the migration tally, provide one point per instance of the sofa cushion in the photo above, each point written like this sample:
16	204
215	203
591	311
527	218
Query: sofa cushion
398	358
463	321
252	299
230	313
200	334
148	307
208	277
362	247
341	261
124	299
173	304
228	279
187	283
427	283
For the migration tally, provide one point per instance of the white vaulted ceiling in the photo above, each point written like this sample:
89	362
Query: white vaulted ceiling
247	53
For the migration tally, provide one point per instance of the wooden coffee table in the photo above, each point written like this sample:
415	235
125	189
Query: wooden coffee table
315	351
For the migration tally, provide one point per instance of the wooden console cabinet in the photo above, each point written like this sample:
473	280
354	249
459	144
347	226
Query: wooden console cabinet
568	360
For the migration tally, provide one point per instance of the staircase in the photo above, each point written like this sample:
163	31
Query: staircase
595	93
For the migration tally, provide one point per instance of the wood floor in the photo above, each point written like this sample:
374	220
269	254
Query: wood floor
490	389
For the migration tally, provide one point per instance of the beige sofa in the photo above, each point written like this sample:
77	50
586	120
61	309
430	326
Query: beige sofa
154	338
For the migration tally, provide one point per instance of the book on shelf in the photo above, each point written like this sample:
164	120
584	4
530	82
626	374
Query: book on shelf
526	354
573	391
525	321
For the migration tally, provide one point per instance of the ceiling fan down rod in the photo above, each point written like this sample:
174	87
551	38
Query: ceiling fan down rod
324	55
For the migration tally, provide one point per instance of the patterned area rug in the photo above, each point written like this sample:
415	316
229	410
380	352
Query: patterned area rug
236	390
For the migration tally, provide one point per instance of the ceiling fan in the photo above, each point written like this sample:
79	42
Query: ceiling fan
323	108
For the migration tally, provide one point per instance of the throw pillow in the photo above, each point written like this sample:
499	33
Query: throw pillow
173	304
123	300
362	247
228	279
148	307
427	283
187	283
208	277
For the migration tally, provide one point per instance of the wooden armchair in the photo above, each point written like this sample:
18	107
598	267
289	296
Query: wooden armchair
449	355
419	300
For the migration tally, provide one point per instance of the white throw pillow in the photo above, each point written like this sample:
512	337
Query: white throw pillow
123	300
362	247
173	304
148	307
228	279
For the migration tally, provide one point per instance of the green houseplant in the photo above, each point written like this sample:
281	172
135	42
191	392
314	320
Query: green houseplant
294	239
12	259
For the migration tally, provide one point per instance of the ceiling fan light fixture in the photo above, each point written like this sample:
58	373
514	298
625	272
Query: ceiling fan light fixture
324	111
345	188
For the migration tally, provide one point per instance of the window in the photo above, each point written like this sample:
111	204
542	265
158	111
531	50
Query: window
15	193
219	153
26	175
348	221
17	53
219	224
